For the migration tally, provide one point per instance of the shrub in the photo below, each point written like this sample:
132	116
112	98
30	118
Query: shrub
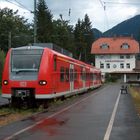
110	78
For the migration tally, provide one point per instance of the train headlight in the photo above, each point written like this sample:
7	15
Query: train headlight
43	82
5	82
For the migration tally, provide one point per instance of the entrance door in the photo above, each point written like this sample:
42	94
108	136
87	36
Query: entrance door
84	77
71	77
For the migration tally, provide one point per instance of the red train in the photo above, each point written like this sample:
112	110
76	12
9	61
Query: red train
33	73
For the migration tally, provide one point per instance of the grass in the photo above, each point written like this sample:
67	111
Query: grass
8	115
135	93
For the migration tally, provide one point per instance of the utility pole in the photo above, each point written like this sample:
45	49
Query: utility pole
35	26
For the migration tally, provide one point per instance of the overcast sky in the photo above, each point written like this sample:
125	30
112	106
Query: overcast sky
102	19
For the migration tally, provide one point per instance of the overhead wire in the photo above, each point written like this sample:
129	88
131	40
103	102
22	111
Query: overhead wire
18	4
103	3
12	3
104	8
22	5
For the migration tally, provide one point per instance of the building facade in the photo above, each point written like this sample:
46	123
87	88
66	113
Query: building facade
116	55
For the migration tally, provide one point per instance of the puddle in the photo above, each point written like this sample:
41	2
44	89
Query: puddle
49	126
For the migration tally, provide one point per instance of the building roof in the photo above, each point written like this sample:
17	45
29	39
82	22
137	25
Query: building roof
115	45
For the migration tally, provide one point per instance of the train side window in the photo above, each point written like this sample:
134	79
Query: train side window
91	76
55	63
94	76
75	74
67	75
87	76
83	74
62	74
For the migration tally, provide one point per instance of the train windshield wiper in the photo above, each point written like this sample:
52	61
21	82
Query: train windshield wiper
24	70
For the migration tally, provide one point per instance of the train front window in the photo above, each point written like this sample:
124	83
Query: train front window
25	61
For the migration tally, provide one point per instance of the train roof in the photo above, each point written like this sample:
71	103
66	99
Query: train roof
27	47
54	47
57	54
75	60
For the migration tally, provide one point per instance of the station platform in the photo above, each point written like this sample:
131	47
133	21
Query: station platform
127	121
85	118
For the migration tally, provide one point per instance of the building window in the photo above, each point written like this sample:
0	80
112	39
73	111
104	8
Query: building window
108	66
128	56
124	46
108	57
128	65
102	56
121	56
121	65
104	46
101	66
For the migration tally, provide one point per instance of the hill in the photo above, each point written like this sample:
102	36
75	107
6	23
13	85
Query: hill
97	34
126	28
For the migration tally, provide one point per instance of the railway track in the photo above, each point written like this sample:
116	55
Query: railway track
9	114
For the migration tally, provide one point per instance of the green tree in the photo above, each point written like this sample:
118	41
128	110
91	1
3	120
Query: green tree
2	58
83	39
79	40
14	29
63	34
57	31
88	38
44	22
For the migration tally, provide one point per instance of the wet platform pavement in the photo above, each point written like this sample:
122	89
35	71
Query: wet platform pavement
127	122
86	119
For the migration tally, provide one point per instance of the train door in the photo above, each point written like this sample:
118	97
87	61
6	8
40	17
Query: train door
84	78
71	77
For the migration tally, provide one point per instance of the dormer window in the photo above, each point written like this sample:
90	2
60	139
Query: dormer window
104	46
125	46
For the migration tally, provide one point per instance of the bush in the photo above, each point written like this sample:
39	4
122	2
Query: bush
110	78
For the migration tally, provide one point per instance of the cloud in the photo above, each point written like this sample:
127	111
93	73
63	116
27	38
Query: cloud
119	13
101	19
21	11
